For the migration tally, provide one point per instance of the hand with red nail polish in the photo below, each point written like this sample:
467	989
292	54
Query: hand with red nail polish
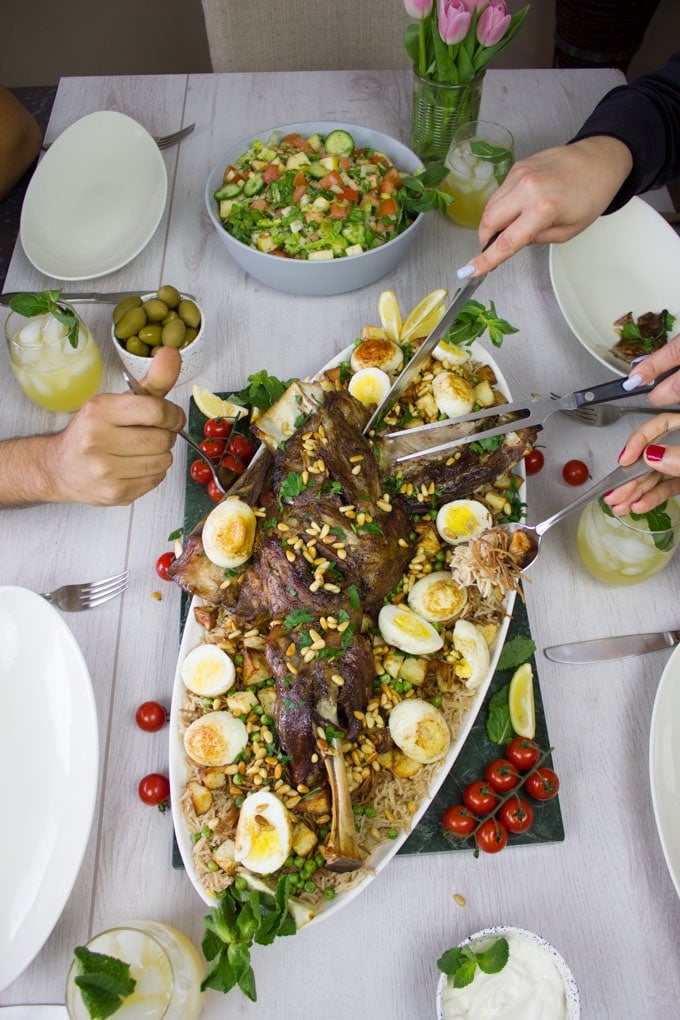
655	453
663	480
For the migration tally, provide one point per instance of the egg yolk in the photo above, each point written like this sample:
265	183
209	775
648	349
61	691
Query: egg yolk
461	521
411	625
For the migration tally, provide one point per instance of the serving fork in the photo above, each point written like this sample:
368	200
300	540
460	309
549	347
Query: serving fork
162	141
601	415
74	598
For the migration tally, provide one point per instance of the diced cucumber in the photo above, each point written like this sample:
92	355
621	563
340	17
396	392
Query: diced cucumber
340	143
298	159
317	170
229	191
253	185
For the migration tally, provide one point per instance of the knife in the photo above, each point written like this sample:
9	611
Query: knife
622	647
91	297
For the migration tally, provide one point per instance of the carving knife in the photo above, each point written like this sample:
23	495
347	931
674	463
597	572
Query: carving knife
89	297
622	647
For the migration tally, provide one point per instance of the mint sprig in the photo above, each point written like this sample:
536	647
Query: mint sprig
420	192
29	305
461	963
516	652
104	982
658	521
473	321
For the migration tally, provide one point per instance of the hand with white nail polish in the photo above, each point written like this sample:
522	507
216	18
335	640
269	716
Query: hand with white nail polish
648	369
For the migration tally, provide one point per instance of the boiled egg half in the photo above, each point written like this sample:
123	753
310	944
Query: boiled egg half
378	352
208	671
470	643
401	627
215	739
452	354
462	519
437	597
452	394
229	533
264	834
370	385
419	730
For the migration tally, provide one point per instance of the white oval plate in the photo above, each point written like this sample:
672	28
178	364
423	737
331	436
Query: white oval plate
626	262
192	637
96	198
48	743
664	764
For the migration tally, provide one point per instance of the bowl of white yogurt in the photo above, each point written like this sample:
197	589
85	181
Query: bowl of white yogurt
535	983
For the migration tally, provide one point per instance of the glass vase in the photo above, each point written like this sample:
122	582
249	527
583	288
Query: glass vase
438	109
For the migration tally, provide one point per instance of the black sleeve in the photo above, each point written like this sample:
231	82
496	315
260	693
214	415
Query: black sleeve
645	116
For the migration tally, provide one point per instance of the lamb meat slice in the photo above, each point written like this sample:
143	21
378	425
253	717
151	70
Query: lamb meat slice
293	713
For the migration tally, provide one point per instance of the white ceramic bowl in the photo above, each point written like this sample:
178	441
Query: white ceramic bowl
625	262
571	994
317	279
96	198
192	356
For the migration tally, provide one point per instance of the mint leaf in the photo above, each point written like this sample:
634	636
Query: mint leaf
493	959
29	305
104	982
516	651
460	964
499	729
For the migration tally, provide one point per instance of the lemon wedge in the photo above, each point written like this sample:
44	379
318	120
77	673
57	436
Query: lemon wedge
424	316
390	316
213	406
521	701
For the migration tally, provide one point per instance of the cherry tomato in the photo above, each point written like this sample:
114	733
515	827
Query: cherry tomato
479	798
492	836
575	472
151	716
217	428
522	753
501	775
163	563
516	815
200	472
214	448
154	788
542	784
233	463
533	462
241	447
459	820
214	491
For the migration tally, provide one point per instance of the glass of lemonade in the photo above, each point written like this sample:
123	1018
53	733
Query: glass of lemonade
626	550
479	158
164	964
49	370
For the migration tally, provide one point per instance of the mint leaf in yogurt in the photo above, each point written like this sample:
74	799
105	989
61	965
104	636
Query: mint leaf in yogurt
461	963
494	958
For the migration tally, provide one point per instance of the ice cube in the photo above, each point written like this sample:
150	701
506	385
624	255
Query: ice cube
460	162
52	329
29	335
484	170
153	980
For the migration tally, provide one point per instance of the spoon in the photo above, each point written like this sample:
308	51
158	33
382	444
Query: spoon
136	387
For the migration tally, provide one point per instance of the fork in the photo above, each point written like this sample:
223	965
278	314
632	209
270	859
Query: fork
600	415
163	141
76	597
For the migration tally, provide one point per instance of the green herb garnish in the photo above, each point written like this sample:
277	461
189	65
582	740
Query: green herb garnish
515	652
29	305
460	964
104	981
473	321
262	391
658	521
500	158
420	192
499	729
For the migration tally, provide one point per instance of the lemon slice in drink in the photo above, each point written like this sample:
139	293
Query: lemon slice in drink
424	316
390	316
521	702
213	406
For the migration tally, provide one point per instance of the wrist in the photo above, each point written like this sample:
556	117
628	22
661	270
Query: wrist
28	474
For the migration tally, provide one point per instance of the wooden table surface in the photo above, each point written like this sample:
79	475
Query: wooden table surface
603	897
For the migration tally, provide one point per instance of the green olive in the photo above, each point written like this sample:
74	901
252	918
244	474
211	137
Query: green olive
173	334
190	335
154	351
136	346
155	309
124	306
169	317
189	312
170	295
151	334
131	322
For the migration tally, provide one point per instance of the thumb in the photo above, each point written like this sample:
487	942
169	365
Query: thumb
664	459
163	372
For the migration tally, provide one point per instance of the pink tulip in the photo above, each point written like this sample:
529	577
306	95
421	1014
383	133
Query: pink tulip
418	9
478	5
493	23
453	20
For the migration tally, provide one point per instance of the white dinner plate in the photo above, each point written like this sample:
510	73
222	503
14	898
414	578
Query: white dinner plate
96	198
383	854
664	764
628	261
48	763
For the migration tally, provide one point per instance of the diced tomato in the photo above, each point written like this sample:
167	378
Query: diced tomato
271	173
349	194
369	200
379	159
299	192
387	187
279	251
331	179
292	138
313	215
338	211
259	204
345	162
231	174
388	207
394	177
299	178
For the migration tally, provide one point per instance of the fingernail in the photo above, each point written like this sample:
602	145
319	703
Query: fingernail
636	361
621	454
465	271
608	493
655	453
632	382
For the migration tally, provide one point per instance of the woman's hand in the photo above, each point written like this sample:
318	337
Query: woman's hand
663	481
651	367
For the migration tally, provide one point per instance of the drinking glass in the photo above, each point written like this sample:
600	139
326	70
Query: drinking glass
479	158
49	370
626	550
163	962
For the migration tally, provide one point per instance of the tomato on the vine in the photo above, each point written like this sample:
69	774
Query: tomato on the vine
163	565
516	814
575	472
533	462
233	463
214	491
542	784
459	820
491	836
479	798
150	716
523	753
213	448
200	472
154	788
241	447
501	775
217	428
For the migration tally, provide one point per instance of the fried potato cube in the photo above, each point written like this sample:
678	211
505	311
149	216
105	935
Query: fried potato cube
427	407
200	796
392	663
484	394
242	702
304	840
489	632
413	670
225	856
214	778
267	698
403	766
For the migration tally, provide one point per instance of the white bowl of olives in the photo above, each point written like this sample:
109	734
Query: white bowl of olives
143	323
